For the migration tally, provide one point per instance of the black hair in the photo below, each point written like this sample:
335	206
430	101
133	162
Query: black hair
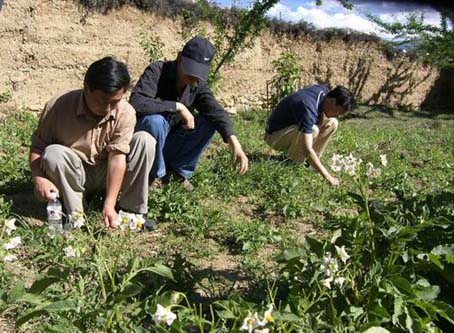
108	75
343	97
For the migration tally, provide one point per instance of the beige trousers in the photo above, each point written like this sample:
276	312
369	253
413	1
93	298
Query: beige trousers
291	139
74	178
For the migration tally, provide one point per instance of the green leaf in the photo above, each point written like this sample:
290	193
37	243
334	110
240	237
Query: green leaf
443	250
40	285
28	316
398	305
314	245
247	246
427	293
402	285
435	260
376	329
356	198
162	270
16	293
61	328
336	234
409	323
290	254
286	317
379	312
226	314
32	299
58	306
129	290
356	312
445	310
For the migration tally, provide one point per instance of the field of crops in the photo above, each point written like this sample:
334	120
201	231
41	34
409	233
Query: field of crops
275	250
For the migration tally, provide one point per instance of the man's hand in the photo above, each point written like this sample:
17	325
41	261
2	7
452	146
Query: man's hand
44	189
333	181
186	116
238	155
110	216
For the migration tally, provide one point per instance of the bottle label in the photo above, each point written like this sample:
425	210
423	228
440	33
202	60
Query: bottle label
54	214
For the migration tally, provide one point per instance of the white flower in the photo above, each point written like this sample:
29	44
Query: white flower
343	255
130	220
327	282
372	172
9	258
261	330
71	252
132	224
347	164
339	281
10	226
77	219
250	323
350	169
13	243
350	164
337	163
383	160
163	315
267	316
329	265
140	221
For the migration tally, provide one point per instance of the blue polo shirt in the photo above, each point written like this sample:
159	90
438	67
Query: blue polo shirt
301	108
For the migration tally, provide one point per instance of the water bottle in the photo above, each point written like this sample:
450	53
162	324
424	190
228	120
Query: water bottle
54	215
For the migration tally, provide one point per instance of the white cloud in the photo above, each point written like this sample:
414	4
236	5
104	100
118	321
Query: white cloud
432	17
329	15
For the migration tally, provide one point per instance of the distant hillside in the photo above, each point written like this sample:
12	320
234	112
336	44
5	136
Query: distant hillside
47	45
231	16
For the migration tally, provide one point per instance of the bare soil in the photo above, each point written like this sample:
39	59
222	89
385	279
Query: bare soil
47	45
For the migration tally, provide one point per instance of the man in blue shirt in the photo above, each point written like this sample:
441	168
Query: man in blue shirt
303	123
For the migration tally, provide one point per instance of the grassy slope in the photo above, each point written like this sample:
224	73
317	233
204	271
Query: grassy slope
226	232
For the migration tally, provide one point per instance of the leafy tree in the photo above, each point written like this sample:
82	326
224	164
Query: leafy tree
230	39
286	79
433	43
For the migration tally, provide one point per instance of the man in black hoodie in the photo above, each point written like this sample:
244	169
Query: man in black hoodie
165	99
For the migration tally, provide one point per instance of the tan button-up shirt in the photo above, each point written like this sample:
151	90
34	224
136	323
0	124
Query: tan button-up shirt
66	120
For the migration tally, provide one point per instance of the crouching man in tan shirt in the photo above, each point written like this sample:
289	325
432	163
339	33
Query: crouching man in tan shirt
85	142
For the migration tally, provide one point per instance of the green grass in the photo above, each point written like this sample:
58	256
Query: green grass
222	238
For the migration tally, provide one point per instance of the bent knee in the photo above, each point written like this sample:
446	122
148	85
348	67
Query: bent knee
153	124
144	139
52	156
332	123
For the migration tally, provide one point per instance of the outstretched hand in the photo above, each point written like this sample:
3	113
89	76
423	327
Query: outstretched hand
110	217
240	161
239	158
333	181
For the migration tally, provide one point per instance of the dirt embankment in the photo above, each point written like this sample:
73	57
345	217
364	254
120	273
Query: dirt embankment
46	46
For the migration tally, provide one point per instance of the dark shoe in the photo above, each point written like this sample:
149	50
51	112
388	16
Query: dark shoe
155	184
173	176
149	225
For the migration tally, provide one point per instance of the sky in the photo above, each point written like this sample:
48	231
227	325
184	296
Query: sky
332	15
